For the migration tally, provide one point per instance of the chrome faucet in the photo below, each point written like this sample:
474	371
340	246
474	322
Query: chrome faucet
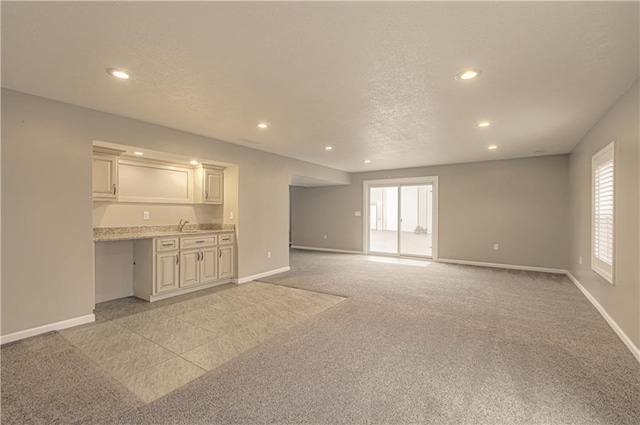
182	223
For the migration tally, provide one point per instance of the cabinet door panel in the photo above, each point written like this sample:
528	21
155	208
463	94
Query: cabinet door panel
189	268
141	181
104	176
166	272
213	181
225	262
208	265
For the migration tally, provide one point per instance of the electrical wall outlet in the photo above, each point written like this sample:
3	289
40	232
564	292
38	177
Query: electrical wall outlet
496	247
145	215
231	215
358	213
268	255
325	236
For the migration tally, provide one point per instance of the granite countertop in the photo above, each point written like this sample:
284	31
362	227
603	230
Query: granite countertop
106	234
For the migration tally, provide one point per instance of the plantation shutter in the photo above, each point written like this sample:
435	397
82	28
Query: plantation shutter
603	210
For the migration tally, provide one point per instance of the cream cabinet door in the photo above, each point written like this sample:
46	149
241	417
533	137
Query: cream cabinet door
208	265
189	268
147	181
105	176
213	186
167	271
225	262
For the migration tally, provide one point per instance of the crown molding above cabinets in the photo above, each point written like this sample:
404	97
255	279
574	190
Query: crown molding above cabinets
107	151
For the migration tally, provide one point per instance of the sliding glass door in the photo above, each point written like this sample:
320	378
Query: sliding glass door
401	219
415	220
383	236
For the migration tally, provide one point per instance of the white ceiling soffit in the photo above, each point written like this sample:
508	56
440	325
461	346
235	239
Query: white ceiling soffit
374	80
150	154
305	181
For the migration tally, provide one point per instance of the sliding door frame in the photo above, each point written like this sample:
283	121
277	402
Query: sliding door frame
409	181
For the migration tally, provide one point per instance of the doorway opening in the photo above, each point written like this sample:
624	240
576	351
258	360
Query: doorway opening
401	217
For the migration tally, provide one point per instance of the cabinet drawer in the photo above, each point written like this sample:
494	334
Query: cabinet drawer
225	239
197	242
168	244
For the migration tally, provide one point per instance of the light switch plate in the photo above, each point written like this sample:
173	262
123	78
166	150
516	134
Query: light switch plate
358	213
231	215
145	215
496	247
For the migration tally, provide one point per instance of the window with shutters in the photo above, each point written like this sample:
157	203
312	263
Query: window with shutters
602	234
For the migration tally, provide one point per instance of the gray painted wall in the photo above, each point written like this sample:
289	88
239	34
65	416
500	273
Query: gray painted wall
522	204
622	300
47	273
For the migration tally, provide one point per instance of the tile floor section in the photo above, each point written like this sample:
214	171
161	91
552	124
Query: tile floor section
155	348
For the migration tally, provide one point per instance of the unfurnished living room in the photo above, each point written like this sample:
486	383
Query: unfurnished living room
320	213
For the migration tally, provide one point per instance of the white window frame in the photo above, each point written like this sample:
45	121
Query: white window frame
597	265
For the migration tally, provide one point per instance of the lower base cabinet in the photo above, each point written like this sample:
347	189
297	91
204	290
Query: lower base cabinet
198	267
167	276
209	266
225	261
165	267
189	270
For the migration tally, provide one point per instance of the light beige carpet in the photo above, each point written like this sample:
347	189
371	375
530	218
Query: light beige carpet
442	344
45	380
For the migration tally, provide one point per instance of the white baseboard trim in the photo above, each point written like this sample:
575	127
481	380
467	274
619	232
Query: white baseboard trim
57	326
501	266
623	336
311	248
259	275
183	291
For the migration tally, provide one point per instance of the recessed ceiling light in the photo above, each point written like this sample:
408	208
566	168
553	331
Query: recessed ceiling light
263	125
328	148
492	147
193	162
483	124
367	161
118	73
138	153
468	74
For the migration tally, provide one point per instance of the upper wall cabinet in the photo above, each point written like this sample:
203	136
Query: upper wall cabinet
154	181
105	173
209	184
117	177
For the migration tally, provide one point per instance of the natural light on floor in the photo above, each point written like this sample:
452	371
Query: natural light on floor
402	261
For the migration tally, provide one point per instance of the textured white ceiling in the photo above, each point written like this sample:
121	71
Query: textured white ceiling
375	80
